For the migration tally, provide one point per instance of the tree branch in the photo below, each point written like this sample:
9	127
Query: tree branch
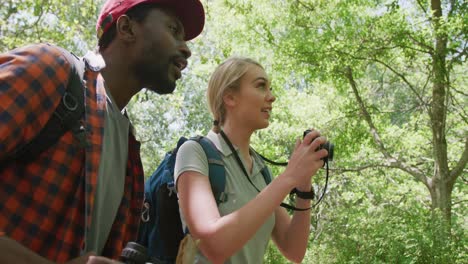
392	161
458	202
412	88
308	7
461	109
452	8
365	113
461	164
428	50
418	175
39	18
405	80
458	55
422	7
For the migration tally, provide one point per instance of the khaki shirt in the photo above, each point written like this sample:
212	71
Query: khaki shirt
191	157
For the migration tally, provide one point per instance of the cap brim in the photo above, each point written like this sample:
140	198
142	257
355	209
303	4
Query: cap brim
191	15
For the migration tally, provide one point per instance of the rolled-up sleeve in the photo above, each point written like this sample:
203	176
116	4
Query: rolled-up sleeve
190	157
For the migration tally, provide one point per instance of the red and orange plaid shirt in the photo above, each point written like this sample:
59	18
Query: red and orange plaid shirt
46	203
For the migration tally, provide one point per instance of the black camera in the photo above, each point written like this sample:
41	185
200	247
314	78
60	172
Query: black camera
134	253
328	146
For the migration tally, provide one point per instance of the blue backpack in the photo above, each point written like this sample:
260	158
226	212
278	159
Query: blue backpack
160	227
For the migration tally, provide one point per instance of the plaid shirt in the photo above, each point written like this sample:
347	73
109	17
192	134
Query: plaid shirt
46	203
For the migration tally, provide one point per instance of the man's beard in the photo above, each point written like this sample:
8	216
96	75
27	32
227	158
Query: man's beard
155	77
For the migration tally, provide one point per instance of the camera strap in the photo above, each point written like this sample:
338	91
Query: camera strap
239	162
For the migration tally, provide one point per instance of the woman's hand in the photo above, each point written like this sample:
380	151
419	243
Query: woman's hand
306	160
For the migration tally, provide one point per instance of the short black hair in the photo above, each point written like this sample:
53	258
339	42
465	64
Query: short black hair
137	13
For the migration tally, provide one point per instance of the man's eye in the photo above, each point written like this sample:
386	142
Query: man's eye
173	28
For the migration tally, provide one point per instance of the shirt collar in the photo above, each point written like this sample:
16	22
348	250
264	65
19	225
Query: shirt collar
219	142
94	61
223	147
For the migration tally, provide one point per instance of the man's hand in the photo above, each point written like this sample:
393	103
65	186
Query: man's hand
82	259
101	260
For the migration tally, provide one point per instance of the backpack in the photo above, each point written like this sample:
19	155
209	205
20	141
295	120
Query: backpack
160	227
66	116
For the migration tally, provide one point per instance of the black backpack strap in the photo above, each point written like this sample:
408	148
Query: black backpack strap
266	174
66	116
265	171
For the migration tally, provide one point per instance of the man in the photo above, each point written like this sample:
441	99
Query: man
69	201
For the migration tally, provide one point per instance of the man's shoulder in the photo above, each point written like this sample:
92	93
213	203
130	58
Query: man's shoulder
33	79
37	60
40	51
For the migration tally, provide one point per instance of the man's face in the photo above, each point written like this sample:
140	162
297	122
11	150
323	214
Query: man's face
161	53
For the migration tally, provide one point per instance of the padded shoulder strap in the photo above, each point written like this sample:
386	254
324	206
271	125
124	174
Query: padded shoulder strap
266	175
217	173
66	117
265	171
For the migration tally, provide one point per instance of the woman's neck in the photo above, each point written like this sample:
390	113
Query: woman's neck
239	137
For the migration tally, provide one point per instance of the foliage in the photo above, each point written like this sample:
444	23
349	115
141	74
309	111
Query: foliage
65	23
384	51
375	210
367	225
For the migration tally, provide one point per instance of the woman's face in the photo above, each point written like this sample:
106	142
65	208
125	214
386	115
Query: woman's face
253	101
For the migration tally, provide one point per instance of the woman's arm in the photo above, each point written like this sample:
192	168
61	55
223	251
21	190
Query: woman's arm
291	235
220	237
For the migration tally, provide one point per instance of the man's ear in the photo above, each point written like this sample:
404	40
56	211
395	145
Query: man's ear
125	28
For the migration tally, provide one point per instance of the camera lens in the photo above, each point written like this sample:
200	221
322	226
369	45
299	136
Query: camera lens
329	147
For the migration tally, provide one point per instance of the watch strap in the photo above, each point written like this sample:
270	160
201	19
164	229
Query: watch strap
304	195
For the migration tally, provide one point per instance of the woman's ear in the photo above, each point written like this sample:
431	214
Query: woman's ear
229	99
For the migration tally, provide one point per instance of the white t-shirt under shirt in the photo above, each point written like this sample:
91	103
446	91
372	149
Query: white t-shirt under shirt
191	157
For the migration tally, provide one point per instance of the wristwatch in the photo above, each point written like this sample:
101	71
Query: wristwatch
304	195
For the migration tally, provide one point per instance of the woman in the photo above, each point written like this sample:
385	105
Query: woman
238	230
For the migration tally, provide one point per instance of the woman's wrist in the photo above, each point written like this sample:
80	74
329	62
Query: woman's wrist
305	195
287	180
302	203
304	188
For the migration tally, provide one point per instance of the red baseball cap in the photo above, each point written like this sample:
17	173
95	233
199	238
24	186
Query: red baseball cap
189	12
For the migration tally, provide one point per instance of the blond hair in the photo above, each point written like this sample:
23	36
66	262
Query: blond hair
226	77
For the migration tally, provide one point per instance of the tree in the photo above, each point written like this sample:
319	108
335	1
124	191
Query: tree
65	23
403	62
384	80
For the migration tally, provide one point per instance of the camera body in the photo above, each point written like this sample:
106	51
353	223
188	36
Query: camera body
328	146
134	253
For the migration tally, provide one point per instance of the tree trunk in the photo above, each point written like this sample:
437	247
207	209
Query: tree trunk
441	184
441	187
441	196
